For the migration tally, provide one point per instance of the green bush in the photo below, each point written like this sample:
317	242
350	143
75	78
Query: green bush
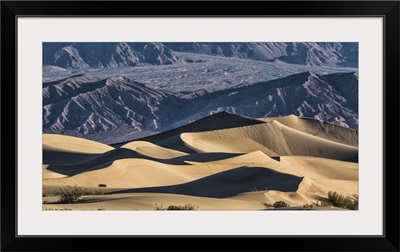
278	204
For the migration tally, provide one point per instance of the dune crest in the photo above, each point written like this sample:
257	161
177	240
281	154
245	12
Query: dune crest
153	150
55	142
318	128
279	139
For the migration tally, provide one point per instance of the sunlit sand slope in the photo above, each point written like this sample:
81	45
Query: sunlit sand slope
275	136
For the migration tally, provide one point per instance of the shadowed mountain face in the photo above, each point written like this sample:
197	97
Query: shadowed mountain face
113	55
245	179
85	105
99	105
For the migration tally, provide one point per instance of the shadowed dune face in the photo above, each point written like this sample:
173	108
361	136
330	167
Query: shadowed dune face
231	183
152	150
234	166
72	163
227	145
213	122
198	157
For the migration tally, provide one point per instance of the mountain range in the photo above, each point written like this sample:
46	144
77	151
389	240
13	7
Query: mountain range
113	55
83	105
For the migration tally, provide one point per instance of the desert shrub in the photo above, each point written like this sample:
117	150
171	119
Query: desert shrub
157	207
353	205
323	203
309	206
70	193
172	207
102	185
88	192
184	207
58	209
267	205
44	195
335	199
278	204
338	200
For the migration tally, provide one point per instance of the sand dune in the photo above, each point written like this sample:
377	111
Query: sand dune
311	167
277	137
221	120
171	139
199	157
227	145
314	167
149	201
318	128
256	158
131	172
234	163
323	186
151	150
55	142
244	179
47	174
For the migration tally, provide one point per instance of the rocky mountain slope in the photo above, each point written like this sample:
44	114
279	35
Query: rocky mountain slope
114	55
85	105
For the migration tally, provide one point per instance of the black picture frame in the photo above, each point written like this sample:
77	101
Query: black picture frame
11	10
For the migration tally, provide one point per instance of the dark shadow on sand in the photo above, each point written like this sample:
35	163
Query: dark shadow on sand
70	164
74	163
229	183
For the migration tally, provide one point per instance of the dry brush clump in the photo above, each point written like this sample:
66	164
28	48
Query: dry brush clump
335	199
173	207
72	194
277	204
338	200
309	206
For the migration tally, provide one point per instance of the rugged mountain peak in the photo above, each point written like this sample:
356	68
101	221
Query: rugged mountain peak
106	55
123	54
